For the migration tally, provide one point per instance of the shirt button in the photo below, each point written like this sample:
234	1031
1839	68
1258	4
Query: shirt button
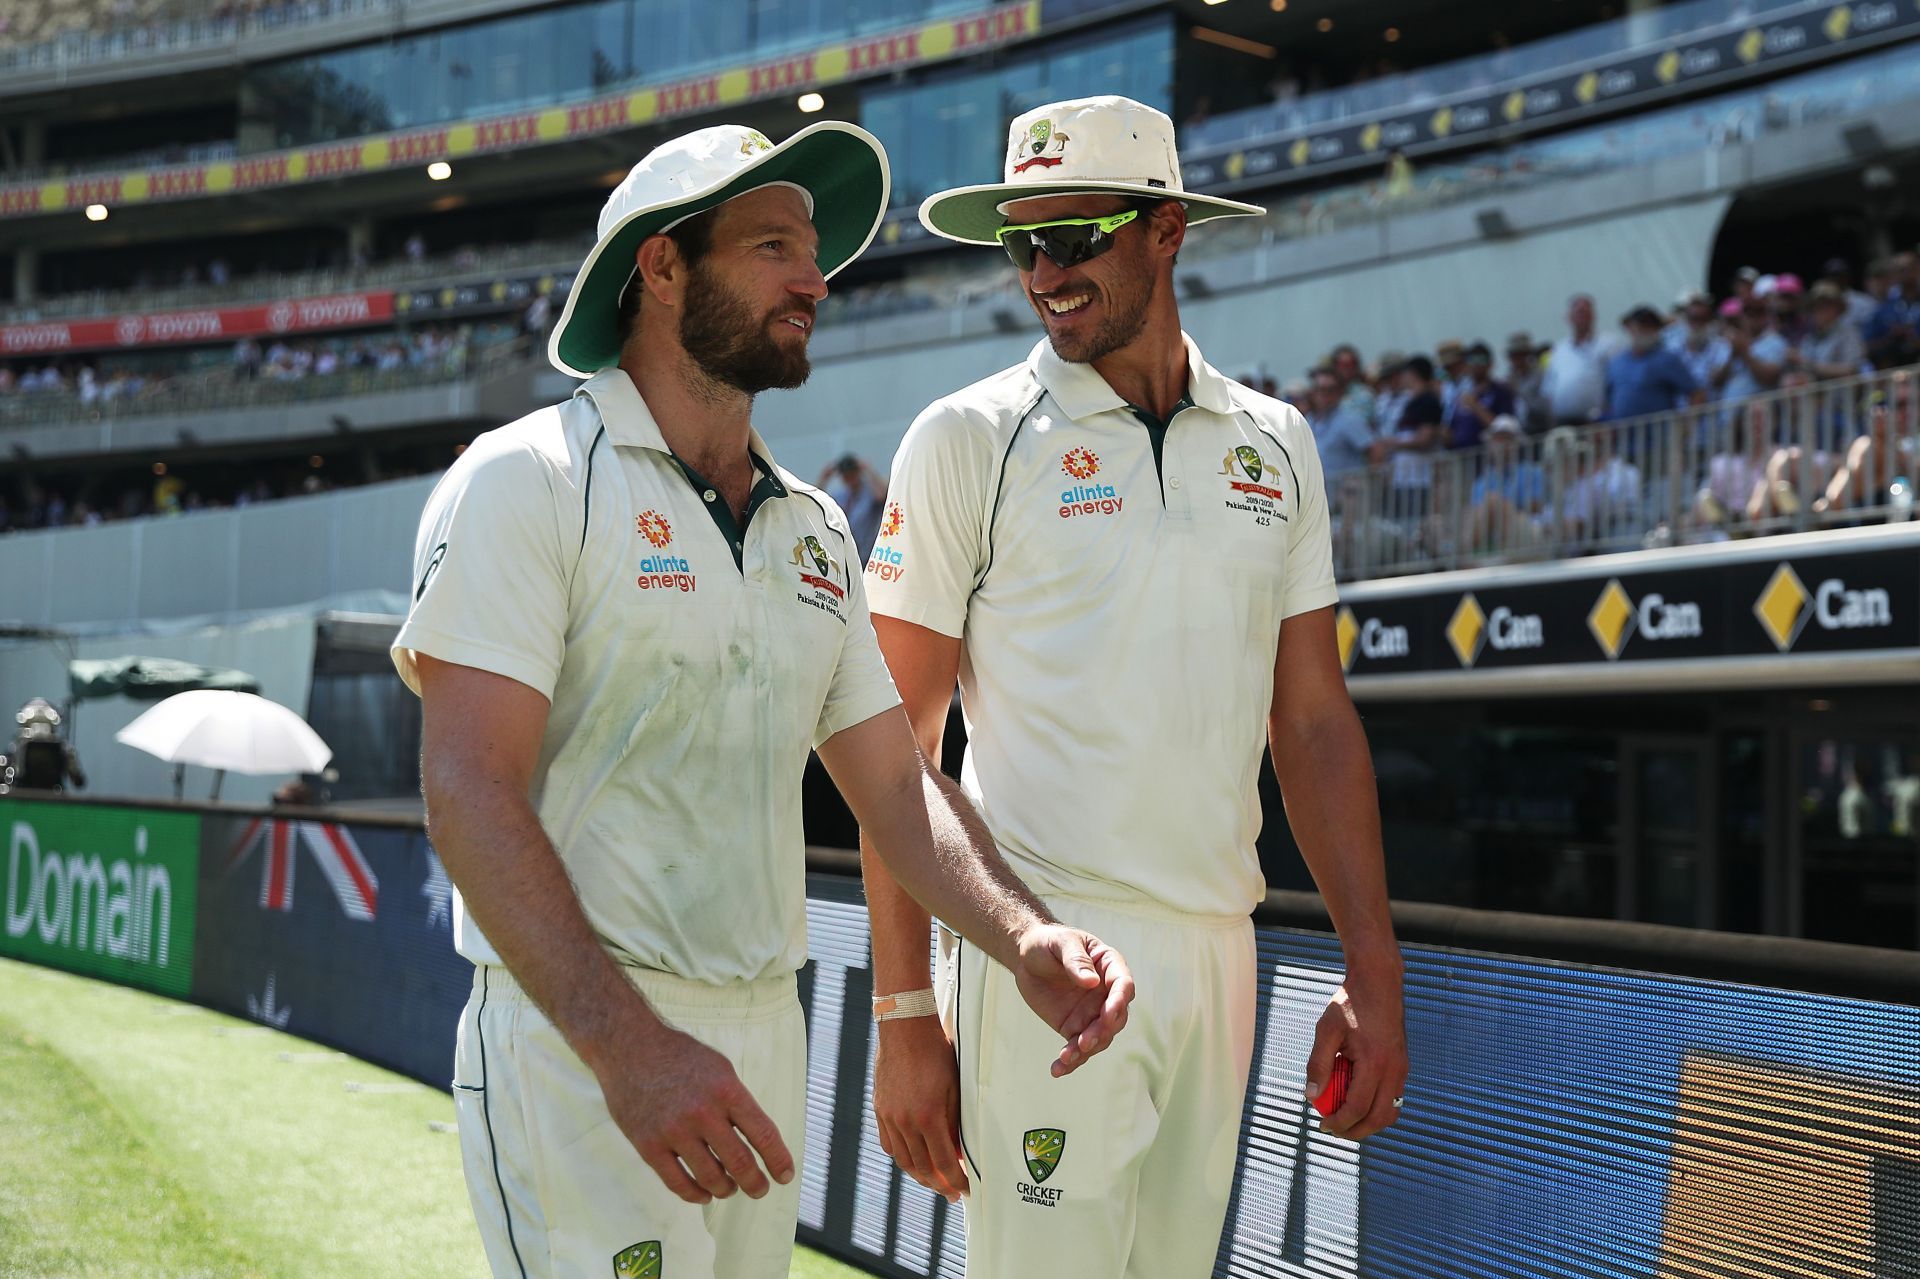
709	495
1174	482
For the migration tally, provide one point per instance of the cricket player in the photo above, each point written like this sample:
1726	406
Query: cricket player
1123	558
628	629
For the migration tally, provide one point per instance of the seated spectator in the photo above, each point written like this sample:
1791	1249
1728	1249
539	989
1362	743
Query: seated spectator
1604	502
1355	392
1415	438
1859	306
1478	401
1736	487
1508	494
1528	381
1802	462
1647	377
1695	337
1342	435
1890	449
1832	348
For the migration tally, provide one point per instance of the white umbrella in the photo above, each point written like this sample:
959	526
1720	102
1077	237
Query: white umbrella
238	732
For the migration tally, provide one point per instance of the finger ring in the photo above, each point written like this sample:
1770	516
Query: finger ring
1399	1102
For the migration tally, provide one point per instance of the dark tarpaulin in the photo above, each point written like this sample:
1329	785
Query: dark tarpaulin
149	679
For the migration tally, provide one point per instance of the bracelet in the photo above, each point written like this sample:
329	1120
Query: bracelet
907	1003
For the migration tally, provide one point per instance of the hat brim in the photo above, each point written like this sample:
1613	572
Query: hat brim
972	215
840	165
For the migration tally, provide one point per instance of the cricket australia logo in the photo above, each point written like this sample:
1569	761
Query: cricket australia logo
827	594
1043	1149
1245	469
641	1261
1041	138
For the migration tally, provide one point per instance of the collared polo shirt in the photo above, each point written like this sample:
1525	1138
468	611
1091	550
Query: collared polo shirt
1119	586
690	666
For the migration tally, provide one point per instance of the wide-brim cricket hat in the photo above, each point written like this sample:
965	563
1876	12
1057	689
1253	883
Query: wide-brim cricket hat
1105	145
840	168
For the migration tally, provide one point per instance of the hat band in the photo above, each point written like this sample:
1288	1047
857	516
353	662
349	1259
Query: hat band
1093	186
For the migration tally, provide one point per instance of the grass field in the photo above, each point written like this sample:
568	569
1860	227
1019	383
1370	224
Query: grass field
140	1136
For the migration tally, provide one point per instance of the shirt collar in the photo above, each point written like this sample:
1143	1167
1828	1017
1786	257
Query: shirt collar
630	422
1082	393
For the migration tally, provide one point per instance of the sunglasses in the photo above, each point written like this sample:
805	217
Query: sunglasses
1067	242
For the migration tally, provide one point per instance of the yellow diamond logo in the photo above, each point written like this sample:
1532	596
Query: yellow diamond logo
1839	22
1587	88
1515	107
1442	123
1782	607
1370	138
1751	45
1467	629
1236	166
1612	619
1299	152
1668	67
1346	630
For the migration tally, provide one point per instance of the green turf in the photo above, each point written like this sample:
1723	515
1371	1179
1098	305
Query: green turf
147	1137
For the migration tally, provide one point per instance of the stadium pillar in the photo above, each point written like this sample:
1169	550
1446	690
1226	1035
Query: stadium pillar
26	267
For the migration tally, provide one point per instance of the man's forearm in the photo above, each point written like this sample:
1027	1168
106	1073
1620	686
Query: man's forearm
1326	782
902	928
517	891
938	852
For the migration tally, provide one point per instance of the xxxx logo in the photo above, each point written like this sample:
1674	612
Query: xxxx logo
1245	461
1081	464
641	1261
654	527
808	552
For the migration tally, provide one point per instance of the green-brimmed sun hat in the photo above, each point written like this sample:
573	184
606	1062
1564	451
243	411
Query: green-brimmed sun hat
1105	145
840	168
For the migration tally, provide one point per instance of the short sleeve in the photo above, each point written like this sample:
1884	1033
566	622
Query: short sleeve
1309	571
861	687
489	573
926	561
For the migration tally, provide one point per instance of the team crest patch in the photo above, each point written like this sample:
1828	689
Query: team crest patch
641	1261
1245	469
827	593
1043	1149
1041	138
654	527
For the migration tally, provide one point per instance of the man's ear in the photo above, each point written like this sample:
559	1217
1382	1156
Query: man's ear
662	271
1167	227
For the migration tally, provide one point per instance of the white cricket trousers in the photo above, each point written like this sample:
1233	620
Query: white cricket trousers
558	1190
1122	1169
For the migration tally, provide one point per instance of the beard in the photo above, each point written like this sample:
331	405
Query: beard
1126	315
732	346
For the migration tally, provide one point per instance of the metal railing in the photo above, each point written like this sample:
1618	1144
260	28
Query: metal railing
1819	455
212	29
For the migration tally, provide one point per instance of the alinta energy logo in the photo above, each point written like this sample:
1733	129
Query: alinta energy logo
895	519
1043	1148
1370	638
662	572
888	563
1786	606
1616	618
1473	630
1086	499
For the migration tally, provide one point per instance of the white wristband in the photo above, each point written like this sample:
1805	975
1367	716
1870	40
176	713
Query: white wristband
907	1003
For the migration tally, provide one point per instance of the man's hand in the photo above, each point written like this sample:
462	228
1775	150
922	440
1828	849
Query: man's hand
1365	1023
916	1099
680	1103
1078	985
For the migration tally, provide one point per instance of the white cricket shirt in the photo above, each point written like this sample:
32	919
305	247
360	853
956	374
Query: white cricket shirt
690	666
1119	585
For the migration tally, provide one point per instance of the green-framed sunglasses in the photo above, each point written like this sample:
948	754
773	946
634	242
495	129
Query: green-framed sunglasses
1066	242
